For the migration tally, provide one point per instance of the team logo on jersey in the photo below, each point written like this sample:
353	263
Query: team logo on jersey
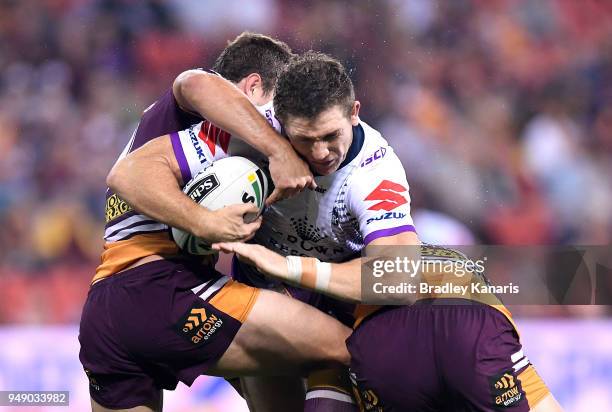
199	324
203	188
115	207
506	389
389	195
306	231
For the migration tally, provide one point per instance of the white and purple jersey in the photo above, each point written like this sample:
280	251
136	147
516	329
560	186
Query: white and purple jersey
366	198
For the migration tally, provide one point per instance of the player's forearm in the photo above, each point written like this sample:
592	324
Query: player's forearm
341	281
223	104
345	282
150	186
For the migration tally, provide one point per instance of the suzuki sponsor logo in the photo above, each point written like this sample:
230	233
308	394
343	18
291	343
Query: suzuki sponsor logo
385	216
389	194
197	146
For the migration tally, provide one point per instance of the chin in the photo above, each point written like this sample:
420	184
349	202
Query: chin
327	171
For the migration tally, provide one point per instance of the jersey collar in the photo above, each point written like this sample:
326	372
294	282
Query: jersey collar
356	145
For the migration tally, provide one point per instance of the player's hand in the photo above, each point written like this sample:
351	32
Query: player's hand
290	175
231	223
266	261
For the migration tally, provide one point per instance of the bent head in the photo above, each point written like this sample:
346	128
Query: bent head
253	62
315	102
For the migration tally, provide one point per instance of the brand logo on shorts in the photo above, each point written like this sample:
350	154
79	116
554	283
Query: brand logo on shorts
92	381
390	194
199	326
506	389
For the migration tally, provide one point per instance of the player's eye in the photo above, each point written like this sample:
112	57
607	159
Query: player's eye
332	136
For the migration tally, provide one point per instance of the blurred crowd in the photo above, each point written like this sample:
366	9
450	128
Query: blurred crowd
500	110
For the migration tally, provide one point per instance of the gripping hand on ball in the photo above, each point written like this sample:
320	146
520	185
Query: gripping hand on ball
232	223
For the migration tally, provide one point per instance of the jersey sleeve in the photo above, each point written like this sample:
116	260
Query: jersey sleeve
198	146
162	117
379	198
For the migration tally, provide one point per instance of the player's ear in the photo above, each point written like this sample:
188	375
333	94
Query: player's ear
355	113
253	84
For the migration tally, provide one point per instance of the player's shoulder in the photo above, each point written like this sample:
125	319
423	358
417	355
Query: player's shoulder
377	164
376	153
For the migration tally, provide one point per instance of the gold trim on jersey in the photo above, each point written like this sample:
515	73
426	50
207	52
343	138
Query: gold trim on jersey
123	253
534	387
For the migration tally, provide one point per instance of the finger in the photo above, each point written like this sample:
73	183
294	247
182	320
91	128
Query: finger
226	247
238	248
245	208
274	197
312	184
253	226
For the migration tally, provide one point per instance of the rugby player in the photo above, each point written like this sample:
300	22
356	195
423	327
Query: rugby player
153	316
362	200
361	196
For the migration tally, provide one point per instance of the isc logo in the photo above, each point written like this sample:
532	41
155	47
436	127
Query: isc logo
379	154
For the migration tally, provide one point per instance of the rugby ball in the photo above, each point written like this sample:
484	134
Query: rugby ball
227	181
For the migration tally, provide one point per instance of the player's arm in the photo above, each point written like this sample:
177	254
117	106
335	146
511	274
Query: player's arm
149	180
338	280
224	105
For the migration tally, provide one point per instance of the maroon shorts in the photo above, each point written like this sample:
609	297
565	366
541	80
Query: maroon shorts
147	328
451	355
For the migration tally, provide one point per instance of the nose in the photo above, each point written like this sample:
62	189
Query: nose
319	151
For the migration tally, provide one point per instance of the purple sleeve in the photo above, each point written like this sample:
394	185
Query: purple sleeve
164	117
180	157
388	232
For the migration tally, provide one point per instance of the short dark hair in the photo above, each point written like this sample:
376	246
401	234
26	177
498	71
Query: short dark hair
311	84
253	53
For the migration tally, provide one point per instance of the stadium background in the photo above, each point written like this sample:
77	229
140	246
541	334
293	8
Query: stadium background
500	110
